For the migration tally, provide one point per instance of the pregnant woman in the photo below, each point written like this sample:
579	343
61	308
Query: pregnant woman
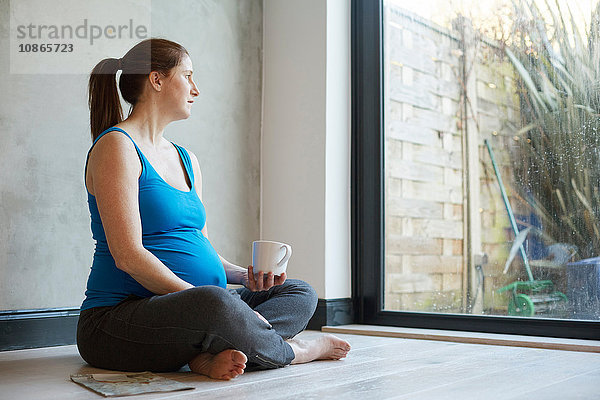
156	295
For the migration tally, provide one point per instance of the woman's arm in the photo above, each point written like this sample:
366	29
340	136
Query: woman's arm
236	275
114	169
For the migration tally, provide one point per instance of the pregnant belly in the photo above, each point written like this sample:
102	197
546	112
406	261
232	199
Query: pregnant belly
189	255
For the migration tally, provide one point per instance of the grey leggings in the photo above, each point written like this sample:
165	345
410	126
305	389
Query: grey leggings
163	333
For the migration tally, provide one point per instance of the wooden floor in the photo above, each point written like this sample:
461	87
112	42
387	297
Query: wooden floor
377	368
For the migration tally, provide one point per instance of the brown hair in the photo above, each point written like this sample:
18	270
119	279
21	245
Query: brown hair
153	54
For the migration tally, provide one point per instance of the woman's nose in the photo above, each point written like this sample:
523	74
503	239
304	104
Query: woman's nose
194	91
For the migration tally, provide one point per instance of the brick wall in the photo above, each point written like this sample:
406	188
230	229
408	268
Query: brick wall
425	188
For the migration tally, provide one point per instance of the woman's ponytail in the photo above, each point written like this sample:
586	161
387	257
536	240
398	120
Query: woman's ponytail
104	103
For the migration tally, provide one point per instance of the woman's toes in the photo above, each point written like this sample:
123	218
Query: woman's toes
337	354
230	375
340	343
225	365
238	357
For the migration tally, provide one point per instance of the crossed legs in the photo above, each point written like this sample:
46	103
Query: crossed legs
287	308
210	328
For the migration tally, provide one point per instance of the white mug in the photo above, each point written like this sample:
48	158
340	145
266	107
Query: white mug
268	256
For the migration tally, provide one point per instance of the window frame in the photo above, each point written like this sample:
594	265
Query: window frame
367	204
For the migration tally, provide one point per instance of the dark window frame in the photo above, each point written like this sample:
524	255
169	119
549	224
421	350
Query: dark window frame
368	247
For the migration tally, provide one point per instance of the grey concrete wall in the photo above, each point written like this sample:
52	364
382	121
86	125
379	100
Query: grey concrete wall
45	241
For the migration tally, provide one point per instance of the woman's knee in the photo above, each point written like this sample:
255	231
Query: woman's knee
304	291
210	304
214	297
210	295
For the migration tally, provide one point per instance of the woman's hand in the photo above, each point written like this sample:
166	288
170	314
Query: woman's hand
262	281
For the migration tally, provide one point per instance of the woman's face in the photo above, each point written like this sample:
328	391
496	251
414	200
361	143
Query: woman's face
180	89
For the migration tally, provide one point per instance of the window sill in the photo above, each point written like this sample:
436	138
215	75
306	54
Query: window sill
591	346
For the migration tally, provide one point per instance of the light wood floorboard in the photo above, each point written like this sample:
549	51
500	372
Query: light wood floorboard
376	368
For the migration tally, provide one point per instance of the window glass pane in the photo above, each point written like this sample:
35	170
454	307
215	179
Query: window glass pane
492	199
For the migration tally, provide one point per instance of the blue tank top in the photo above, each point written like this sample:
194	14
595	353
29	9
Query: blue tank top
172	220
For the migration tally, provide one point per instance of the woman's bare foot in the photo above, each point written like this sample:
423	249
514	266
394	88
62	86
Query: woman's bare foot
226	365
326	347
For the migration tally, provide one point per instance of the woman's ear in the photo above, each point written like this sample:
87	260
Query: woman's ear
156	80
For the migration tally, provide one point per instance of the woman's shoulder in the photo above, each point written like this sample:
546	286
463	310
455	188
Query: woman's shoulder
190	153
112	156
192	157
195	165
112	141
113	147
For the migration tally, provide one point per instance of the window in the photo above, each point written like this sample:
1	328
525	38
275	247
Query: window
444	237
